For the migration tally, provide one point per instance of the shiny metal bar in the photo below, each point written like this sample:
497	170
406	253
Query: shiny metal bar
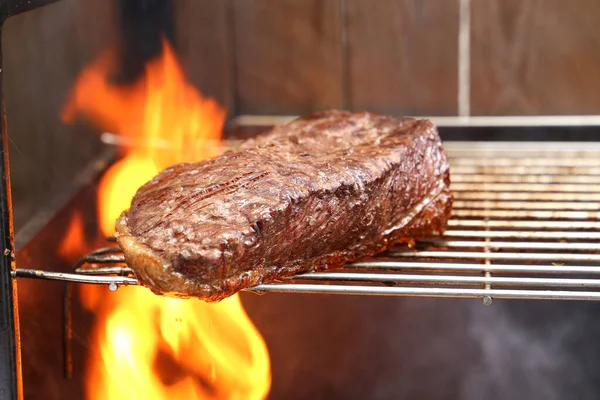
594	247
98	278
523	156
449	268
513	294
547	224
507	234
449	280
525	148
70	277
456	121
114	270
524	169
527	179
492	161
525	187
523	214
480	195
509	205
523	257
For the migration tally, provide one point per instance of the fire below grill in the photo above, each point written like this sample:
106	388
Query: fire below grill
525	225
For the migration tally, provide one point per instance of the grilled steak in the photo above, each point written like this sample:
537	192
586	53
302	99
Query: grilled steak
317	192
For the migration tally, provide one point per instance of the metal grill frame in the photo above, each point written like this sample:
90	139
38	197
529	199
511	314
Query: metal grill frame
525	225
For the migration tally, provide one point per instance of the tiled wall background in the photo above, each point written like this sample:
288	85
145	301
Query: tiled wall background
289	57
43	51
533	57
526	57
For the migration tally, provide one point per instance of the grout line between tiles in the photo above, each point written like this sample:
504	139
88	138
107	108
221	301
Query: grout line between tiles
464	58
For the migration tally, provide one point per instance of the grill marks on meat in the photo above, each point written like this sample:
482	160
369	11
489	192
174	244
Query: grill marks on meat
318	192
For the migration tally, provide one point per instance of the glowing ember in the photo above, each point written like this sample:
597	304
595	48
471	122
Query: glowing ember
151	347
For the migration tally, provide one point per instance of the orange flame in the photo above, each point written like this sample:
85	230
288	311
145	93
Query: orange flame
72	243
152	347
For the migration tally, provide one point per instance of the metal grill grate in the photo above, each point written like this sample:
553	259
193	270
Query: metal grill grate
525	225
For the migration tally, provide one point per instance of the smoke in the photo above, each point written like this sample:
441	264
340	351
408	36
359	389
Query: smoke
533	351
